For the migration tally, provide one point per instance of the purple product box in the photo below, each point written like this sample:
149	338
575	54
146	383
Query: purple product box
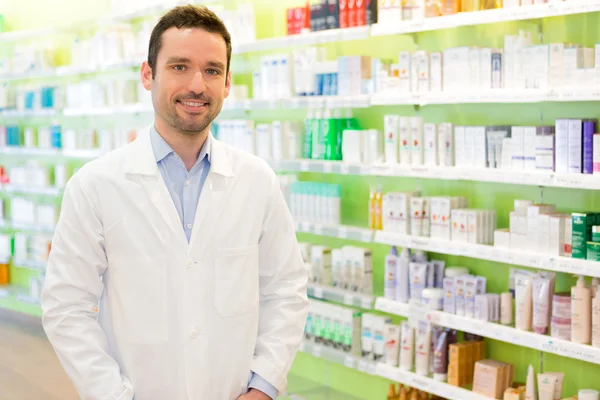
589	128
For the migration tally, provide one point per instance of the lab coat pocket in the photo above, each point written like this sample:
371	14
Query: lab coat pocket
236	281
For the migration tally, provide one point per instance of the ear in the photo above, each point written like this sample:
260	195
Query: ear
228	84
146	75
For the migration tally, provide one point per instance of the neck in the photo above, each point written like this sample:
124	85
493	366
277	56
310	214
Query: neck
186	146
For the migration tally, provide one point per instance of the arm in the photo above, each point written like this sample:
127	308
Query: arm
72	290
283	301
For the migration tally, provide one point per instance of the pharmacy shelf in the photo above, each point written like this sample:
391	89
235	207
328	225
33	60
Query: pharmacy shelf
20	294
28	228
490	96
548	344
10	113
338	295
483	252
304	39
426	384
413	380
104	111
490	253
30	264
22	189
487	17
536	178
80	154
338	231
339	357
69	70
298	103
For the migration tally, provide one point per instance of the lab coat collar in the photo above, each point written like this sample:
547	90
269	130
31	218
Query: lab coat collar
141	159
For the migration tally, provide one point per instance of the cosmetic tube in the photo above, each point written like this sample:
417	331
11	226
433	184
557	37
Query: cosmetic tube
423	351
541	304
524	303
418	277
546	386
530	384
440	358
407	349
560	378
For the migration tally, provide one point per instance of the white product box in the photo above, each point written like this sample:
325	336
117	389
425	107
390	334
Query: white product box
518	148
435	209
544	152
479	147
435	68
391	126
414	72
416	124
556	75
445	218
497	68
543	233
575	156
474	69
502	238
529	147
460	146
506	153
485	68
518	223
430	144
589	54
446	144
459	225
424	72
387	213
352	146
403	201
562	146
417	205
556	234
405	142
469	152
456	62
541	54
404	60
573	60
518	242
474	226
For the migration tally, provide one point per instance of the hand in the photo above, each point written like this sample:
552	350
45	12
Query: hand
254	394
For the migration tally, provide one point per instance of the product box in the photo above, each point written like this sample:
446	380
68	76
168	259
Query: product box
502	238
416	125
556	234
372	11
480	156
405	140
459	225
593	251
361	12
474	226
403	213
460	147
561	146
529	147
333	14
430	144
568	249
544	152
414	72
416	215
343	14
352	17
435	69
582	232
497	67
423	72
575	149
445	218
321	262
404	64
485	68
518	223
446	144
435	209
556	74
589	129
518	148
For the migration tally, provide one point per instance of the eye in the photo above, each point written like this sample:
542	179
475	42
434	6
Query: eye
212	71
179	67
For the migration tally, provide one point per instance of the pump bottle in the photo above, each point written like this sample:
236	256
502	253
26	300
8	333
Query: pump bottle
581	312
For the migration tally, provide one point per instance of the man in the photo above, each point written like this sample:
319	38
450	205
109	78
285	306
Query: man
175	273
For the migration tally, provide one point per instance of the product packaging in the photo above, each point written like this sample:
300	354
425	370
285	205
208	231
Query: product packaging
541	304
524	301
449	295
440	358
392	344
418	278
546	385
581	312
407	349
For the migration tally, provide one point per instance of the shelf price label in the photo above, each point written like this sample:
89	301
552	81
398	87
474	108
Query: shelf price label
362	366
318	292
349	362
348	299
372	369
316	351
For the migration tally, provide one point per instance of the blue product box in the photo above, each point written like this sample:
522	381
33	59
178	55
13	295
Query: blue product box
56	136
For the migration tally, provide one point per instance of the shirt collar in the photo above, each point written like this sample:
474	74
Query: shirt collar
162	149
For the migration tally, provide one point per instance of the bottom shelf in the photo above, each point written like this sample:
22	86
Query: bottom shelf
15	298
305	389
411	379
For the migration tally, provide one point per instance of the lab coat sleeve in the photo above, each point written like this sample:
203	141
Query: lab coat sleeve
70	297
283	300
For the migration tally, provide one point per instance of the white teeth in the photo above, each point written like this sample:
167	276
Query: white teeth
192	104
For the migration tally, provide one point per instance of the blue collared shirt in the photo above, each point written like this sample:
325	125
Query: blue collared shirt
185	188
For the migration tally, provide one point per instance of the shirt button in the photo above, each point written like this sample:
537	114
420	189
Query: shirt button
189	226
189	263
194	333
187	182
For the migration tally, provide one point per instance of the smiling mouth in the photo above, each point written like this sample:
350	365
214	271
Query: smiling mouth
193	105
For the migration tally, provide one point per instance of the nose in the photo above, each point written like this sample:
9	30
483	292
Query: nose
197	84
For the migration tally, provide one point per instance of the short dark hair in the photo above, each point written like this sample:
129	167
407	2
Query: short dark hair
187	17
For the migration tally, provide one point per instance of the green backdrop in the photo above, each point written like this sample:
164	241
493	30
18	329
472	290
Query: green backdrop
580	29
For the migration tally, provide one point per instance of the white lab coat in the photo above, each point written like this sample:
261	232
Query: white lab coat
132	309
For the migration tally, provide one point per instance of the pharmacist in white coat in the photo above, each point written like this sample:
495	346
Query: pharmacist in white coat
175	273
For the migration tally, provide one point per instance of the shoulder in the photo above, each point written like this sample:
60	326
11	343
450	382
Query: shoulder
247	166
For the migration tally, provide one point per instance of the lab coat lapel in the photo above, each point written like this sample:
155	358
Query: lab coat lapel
141	161
219	183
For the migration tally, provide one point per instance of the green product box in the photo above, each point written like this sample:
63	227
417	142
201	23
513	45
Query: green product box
596	237
593	251
582	233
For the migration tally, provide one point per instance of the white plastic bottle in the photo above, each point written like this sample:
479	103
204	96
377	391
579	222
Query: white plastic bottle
391	271
596	321
402	277
581	312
